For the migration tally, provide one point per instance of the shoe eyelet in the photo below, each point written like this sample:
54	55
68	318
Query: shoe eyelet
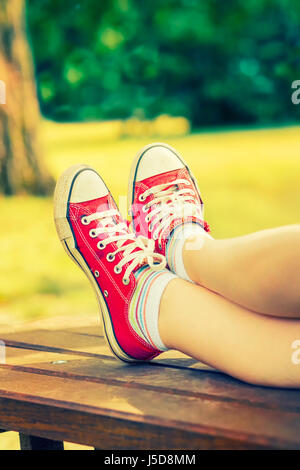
101	245
147	219
150	228
117	269
125	281
92	233
110	257
96	273
105	293
155	237
84	220
145	208
142	197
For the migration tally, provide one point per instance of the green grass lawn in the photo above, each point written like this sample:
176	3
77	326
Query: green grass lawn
249	181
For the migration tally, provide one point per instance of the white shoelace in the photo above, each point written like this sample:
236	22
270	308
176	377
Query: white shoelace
170	203
118	233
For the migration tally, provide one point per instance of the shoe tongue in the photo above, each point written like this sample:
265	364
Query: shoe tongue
105	203
92	206
160	178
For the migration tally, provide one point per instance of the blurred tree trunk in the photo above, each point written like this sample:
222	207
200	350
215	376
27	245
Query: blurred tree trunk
21	168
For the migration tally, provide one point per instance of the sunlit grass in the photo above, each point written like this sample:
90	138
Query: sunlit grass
249	181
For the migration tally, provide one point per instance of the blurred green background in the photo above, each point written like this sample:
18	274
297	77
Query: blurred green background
217	63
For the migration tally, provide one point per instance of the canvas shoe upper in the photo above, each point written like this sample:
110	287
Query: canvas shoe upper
97	238
162	195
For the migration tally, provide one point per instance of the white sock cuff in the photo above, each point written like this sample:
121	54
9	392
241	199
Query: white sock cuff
157	288
175	247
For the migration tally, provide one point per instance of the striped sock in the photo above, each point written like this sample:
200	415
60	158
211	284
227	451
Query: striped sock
144	305
175	246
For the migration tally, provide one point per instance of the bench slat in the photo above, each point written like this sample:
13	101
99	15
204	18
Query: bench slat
99	401
64	341
107	432
59	340
194	383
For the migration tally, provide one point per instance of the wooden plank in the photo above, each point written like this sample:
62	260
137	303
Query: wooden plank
58	341
23	356
60	334
192	417
65	341
106	433
81	335
191	382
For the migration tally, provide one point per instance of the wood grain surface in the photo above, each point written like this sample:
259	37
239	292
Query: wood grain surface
65	385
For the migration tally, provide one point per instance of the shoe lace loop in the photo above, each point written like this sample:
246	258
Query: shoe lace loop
169	203
137	251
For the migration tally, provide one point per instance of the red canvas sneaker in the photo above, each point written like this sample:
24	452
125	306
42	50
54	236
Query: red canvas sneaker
162	195
96	237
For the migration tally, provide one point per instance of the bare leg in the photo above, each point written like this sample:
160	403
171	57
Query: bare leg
260	271
254	348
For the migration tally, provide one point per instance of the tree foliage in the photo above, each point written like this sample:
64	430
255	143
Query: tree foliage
215	62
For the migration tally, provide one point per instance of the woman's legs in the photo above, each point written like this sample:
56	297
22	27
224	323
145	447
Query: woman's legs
254	348
260	271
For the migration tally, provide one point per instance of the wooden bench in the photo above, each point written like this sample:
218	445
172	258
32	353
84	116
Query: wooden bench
62	384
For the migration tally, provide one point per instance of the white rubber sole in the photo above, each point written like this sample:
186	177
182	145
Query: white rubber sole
65	233
135	162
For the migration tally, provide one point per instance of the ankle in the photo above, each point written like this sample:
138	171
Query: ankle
197	253
174	249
